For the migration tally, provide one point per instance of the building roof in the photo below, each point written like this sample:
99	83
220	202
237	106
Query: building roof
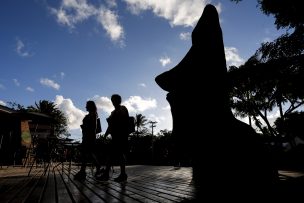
6	110
35	116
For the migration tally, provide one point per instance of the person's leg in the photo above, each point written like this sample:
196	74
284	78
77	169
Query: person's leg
122	161
81	175
105	175
122	164
122	151
83	163
85	156
96	163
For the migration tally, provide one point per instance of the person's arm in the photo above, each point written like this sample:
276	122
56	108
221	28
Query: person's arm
108	131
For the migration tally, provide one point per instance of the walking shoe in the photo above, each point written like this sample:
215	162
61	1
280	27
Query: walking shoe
103	177
80	176
121	178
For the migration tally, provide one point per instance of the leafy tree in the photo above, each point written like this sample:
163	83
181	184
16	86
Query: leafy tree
49	108
163	148
289	15
257	88
251	92
16	106
274	75
291	126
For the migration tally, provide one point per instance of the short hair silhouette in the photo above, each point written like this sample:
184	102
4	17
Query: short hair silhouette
116	99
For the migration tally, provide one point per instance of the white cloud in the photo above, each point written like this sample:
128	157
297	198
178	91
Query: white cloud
2	103
134	104
103	103
185	36
49	83
138	104
109	20
142	85
166	107
16	82
178	12
74	115
161	121
72	12
154	118
165	61
21	49
30	89
233	57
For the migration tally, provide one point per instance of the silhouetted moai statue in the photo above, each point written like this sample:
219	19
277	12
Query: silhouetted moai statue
228	156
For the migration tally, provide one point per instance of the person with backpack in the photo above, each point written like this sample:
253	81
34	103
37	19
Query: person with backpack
118	128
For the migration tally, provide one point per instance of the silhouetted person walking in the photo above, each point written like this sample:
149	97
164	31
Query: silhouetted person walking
229	158
87	147
118	128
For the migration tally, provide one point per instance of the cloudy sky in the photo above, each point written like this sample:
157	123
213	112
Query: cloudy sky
70	51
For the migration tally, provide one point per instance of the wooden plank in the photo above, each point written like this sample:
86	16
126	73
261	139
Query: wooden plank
119	194
11	187
35	194
49	192
77	190
185	191
164	192
148	193
62	192
90	194
111	194
100	190
24	190
143	195
148	184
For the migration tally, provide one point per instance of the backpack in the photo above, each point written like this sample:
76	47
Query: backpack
131	124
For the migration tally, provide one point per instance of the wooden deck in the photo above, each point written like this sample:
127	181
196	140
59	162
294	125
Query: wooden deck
144	184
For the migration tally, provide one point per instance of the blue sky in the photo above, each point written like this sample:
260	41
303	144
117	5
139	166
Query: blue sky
70	51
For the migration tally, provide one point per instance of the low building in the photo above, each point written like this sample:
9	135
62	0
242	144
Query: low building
18	131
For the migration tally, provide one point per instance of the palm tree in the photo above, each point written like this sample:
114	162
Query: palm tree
44	106
140	122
